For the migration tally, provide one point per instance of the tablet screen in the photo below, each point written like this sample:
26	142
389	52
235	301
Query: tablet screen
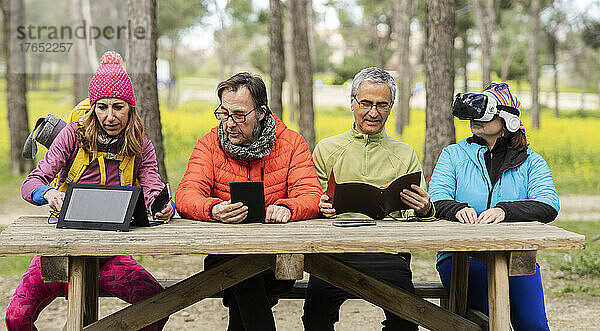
91	205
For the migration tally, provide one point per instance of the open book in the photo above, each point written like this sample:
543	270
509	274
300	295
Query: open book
374	201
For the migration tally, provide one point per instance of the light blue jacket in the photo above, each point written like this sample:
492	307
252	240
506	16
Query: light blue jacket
461	175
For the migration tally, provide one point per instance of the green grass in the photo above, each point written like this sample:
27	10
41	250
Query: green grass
13	265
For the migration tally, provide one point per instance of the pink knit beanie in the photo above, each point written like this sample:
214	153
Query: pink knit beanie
111	80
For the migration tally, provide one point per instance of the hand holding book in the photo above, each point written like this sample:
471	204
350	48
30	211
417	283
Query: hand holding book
416	198
376	202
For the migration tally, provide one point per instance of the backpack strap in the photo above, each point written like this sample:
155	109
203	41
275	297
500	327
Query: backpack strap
82	161
126	171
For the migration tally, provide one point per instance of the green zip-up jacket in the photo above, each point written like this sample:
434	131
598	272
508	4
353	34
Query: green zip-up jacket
376	159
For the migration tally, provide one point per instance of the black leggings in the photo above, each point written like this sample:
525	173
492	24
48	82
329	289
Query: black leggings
251	300
323	300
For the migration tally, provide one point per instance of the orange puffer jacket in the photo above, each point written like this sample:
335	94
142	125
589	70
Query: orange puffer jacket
288	174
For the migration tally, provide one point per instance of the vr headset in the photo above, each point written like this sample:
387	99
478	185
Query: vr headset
481	107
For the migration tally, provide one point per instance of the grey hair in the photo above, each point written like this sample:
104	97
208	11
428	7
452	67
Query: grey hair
375	75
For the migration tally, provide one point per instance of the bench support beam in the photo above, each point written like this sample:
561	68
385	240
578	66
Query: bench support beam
521	263
289	266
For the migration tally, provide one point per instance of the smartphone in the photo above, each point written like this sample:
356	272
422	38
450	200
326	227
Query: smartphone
353	223
161	200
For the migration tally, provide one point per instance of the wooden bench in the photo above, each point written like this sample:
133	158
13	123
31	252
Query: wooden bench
426	290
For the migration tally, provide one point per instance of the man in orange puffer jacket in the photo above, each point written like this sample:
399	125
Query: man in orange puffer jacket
249	144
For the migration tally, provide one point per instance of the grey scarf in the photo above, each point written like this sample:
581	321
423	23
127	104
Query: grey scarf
258	149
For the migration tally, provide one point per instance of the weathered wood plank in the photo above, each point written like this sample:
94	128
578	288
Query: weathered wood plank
521	263
54	269
398	301
478	318
184	293
459	283
423	289
499	305
76	302
313	236
289	266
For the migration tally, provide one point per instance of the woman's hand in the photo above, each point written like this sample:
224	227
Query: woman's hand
55	199
166	213
493	215
467	215
326	208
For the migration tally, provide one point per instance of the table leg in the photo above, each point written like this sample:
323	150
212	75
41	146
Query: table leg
499	303
459	283
76	296
90	309
82	304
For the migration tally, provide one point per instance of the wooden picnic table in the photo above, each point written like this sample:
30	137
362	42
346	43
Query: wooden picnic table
507	248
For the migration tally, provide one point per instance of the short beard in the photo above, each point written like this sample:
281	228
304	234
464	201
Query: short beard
255	133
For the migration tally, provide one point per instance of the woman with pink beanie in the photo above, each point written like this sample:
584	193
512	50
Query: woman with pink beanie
111	136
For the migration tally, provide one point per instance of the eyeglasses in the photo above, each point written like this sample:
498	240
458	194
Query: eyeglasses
224	116
382	107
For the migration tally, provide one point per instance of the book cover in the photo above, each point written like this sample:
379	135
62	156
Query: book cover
374	201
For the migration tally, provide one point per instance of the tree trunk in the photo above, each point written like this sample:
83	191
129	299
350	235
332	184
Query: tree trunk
304	72
311	34
403	12
464	54
555	85
507	62
16	88
142	68
439	80
290	63
485	43
534	69
552	45
82	68
172	83
276	60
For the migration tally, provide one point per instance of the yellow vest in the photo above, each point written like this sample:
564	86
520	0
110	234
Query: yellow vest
83	159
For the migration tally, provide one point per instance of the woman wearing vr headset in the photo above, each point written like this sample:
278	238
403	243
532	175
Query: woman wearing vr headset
494	177
105	146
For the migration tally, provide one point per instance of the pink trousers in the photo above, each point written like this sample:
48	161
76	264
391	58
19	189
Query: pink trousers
121	275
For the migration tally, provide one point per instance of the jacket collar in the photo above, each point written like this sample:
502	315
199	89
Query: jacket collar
475	145
355	135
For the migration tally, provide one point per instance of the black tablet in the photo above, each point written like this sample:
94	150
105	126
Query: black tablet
251	194
102	207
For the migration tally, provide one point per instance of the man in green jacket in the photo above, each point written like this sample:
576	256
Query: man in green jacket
367	154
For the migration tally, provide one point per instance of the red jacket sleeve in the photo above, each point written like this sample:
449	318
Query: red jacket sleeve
192	198
304	190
